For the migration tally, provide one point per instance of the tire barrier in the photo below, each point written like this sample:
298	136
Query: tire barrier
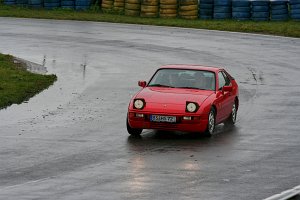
9	2
107	5
256	10
260	10
295	9
82	4
22	2
132	7
51	4
67	4
119	6
35	3
222	9
149	8
241	10
168	8
279	10
206	9
188	9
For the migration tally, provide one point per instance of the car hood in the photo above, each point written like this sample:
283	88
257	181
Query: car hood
178	96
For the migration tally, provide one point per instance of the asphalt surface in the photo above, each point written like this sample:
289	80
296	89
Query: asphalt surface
70	142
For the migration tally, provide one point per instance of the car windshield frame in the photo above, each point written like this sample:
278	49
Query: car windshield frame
184	79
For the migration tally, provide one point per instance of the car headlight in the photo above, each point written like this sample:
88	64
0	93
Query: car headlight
191	107
139	104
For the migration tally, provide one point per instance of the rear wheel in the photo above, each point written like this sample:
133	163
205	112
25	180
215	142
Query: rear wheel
133	131
211	122
232	118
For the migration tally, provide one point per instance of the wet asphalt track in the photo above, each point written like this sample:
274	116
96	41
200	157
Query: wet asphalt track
70	142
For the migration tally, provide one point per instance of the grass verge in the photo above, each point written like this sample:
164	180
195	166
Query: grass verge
17	84
286	28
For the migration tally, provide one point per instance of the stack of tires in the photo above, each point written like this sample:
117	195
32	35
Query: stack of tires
222	9
188	9
260	10
279	10
206	9
168	8
9	2
107	5
35	3
149	8
241	10
119	6
132	7
295	9
67	4
82	4
51	4
22	2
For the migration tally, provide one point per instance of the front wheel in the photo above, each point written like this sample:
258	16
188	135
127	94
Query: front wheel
133	131
211	123
232	118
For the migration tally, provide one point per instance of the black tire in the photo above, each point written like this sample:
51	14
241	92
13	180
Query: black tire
260	3
211	123
239	15
232	118
261	8
264	15
222	3
241	3
133	131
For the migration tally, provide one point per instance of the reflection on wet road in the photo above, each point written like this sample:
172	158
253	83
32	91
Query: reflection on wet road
70	142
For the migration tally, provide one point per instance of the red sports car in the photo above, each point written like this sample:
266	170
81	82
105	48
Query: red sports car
188	98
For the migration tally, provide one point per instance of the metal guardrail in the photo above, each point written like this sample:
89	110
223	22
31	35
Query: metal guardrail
286	195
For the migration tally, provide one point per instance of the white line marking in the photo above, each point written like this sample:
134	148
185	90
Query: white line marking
286	194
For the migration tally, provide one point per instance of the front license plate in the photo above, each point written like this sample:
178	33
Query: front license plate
159	118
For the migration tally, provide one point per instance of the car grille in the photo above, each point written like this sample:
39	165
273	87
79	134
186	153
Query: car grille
169	126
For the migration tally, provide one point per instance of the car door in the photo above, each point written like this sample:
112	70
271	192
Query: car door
229	98
224	99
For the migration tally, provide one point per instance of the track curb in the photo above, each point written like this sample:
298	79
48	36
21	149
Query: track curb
285	195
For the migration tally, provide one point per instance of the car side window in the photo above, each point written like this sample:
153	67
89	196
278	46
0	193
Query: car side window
222	80
227	80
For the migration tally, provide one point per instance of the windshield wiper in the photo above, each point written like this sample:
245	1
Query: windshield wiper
160	85
189	88
193	88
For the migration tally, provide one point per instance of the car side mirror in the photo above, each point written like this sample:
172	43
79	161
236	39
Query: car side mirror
227	89
142	83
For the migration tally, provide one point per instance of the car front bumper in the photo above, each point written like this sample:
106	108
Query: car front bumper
196	124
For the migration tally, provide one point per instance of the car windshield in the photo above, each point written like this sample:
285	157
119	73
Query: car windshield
184	78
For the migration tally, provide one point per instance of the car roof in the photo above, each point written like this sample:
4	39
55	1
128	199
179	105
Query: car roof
194	67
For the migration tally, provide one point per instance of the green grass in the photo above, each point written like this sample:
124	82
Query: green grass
285	28
17	84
